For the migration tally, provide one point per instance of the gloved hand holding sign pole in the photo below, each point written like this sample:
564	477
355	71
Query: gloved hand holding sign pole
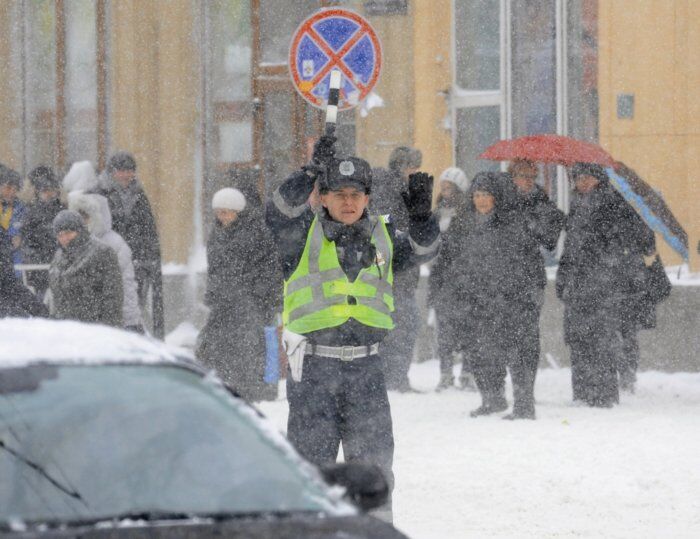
324	149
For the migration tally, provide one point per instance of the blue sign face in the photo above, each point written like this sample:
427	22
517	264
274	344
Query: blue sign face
335	39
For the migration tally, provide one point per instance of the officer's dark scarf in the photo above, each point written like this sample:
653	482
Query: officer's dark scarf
353	242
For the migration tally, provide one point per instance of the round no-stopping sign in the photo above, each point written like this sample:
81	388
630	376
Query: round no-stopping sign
335	39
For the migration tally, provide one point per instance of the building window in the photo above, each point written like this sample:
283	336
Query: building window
582	72
80	80
533	67
477	96
523	68
228	82
59	55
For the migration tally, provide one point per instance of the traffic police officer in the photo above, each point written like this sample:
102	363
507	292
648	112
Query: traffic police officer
339	266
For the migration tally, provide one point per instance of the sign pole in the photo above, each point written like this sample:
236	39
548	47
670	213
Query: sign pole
332	107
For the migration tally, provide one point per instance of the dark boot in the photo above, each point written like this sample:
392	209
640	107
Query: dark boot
490	405
520	413
447	380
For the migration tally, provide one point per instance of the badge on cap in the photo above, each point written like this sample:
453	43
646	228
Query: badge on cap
346	168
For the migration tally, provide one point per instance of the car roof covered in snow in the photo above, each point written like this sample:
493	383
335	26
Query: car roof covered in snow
27	341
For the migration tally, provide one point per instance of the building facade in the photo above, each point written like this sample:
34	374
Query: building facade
198	89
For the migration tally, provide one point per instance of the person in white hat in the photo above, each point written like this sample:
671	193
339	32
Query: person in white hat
227	204
453	185
233	340
450	201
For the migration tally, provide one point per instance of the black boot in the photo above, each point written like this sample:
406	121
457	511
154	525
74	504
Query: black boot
491	405
520	413
447	380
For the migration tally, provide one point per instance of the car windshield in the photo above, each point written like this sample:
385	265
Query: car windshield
82	442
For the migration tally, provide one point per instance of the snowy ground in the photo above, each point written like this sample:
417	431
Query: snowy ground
633	471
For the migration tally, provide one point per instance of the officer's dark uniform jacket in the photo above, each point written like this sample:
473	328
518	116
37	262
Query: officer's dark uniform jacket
290	217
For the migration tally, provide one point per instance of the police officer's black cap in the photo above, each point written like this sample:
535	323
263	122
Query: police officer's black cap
349	172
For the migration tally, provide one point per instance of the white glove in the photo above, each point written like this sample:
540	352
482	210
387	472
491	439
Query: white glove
295	347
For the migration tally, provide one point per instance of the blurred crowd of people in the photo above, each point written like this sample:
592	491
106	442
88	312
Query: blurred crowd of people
98	237
86	245
486	285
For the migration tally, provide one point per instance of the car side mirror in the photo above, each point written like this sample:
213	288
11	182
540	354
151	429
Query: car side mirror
365	484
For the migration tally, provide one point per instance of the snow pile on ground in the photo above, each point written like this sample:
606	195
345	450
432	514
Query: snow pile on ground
682	276
184	335
632	471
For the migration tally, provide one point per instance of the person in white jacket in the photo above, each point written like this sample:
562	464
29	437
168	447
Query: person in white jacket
95	211
80	177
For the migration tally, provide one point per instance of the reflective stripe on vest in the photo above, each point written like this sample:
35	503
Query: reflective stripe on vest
316	295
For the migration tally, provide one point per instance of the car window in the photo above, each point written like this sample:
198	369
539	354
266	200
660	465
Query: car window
108	440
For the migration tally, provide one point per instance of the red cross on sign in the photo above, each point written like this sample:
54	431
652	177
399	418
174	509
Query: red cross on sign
335	39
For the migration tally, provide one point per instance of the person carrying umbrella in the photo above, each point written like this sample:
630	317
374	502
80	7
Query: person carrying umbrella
601	279
542	224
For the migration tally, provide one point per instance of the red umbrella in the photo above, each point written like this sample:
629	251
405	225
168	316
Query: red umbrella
548	149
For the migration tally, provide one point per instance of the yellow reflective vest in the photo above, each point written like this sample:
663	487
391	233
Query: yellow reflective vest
318	295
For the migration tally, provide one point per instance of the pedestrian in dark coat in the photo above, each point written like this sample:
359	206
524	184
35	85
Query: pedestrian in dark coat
38	238
246	181
340	395
132	219
239	280
451	202
15	299
542	223
390	186
84	278
481	260
601	279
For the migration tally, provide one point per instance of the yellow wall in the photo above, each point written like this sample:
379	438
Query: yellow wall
649	48
432	74
154	86
8	89
392	125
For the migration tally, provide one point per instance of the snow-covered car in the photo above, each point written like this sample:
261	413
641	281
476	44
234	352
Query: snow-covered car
105	433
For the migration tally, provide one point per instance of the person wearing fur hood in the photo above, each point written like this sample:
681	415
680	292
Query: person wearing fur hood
94	209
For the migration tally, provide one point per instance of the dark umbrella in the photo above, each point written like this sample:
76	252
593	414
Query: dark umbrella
548	148
650	206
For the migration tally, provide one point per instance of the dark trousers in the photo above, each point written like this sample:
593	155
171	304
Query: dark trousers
522	339
486	350
627	360
595	342
342	402
450	327
400	342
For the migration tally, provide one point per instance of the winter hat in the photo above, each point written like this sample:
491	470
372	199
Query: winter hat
68	220
405	157
80	176
588	169
121	161
43	178
487	181
228	198
9	176
349	172
456	176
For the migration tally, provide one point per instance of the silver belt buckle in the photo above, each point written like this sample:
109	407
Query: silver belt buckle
347	353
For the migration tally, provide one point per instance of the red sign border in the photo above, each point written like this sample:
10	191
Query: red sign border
301	31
